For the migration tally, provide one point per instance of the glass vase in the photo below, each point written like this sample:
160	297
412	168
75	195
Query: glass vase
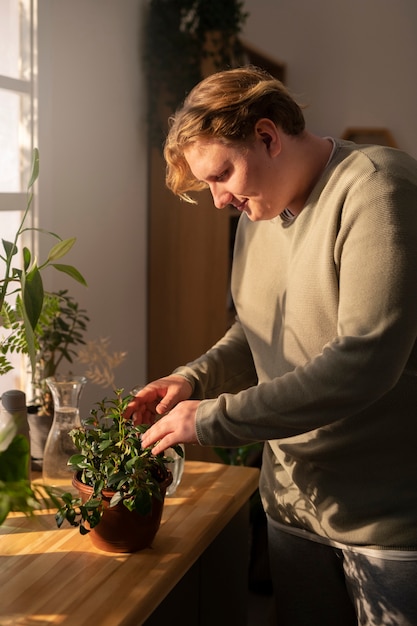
176	467
66	392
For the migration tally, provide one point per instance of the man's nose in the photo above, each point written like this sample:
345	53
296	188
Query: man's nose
221	198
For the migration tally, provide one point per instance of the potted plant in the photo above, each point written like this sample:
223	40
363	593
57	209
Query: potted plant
59	336
121	485
25	283
59	332
22	282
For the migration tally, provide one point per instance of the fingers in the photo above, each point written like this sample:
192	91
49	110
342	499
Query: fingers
140	412
143	407
178	426
157	398
144	416
164	406
174	389
163	444
157	432
160	433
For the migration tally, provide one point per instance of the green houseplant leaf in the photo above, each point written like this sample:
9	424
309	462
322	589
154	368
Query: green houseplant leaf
33	295
60	249
71	271
35	168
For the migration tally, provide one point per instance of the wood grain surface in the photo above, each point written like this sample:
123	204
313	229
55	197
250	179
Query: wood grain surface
56	576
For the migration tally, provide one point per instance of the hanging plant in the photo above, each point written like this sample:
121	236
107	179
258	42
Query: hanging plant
180	36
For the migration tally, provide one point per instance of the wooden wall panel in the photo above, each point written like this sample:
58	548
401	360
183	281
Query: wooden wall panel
188	275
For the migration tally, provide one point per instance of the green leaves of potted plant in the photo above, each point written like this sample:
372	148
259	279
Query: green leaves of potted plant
122	486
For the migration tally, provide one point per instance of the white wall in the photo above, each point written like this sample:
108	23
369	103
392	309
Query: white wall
93	166
352	61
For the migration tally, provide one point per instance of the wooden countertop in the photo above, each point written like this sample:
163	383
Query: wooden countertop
56	576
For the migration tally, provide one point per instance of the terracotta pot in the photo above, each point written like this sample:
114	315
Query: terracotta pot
121	530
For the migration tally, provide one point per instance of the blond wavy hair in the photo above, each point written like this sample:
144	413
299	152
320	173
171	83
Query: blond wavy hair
225	107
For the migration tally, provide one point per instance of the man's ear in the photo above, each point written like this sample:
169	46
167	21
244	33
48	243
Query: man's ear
268	133
266	138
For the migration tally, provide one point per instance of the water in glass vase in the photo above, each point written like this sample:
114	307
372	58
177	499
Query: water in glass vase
59	446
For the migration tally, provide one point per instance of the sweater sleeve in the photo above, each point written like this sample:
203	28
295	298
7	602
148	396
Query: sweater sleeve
226	368
374	255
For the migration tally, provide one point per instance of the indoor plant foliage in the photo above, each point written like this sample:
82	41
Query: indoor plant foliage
60	330
59	336
25	283
111	459
60	339
180	36
22	300
16	492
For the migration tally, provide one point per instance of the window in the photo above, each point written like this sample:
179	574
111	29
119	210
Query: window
17	124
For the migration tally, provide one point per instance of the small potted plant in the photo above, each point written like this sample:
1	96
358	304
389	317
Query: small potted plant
121	485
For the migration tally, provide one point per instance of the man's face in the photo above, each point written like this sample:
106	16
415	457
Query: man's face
246	177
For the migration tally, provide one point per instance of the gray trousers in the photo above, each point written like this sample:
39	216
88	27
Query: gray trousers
319	585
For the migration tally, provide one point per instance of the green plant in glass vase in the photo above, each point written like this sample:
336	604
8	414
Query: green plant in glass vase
113	465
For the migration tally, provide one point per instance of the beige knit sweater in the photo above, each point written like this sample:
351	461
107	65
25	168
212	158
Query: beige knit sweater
317	363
